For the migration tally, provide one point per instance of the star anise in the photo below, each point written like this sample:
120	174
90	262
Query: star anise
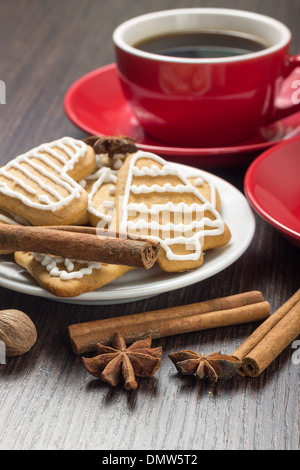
113	363
111	145
215	366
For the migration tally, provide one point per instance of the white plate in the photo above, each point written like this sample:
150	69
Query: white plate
140	284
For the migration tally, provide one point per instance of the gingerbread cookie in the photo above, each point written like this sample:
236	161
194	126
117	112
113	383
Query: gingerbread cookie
100	187
153	199
111	153
43	183
64	277
207	189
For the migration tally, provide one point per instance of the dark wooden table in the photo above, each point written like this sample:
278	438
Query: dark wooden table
47	400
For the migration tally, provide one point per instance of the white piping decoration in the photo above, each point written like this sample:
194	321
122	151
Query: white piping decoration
33	165
51	263
193	242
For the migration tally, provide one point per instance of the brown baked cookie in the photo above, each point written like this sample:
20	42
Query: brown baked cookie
68	278
154	199
207	189
43	183
100	187
111	153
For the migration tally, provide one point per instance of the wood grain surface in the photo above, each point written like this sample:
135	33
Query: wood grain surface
47	400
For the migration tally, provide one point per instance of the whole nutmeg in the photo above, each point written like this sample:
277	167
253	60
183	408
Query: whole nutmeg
17	331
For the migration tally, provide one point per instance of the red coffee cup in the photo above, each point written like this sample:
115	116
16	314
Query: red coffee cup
206	101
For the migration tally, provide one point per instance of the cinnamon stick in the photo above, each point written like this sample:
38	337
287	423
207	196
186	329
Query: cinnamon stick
80	244
231	310
270	338
105	232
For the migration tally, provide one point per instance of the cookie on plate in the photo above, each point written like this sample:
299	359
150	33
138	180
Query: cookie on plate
207	189
43	183
100	187
64	277
111	153
154	199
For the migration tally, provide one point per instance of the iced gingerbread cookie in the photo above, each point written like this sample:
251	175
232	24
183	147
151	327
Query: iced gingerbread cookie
207	189
100	187
43	183
154	199
64	277
111	153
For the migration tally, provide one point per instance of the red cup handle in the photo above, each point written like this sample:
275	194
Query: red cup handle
293	94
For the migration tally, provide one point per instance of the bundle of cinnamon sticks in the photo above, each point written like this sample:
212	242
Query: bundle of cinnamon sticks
273	335
236	309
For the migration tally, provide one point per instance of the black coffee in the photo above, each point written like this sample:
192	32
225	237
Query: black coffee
203	45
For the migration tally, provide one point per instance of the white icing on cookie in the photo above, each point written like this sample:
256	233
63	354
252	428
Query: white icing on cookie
168	233
44	175
51	263
155	188
199	181
102	176
154	170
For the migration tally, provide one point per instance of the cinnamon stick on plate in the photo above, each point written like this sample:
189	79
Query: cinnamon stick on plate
232	310
270	338
86	244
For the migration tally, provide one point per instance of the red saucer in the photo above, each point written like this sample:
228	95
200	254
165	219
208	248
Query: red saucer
96	104
272	186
